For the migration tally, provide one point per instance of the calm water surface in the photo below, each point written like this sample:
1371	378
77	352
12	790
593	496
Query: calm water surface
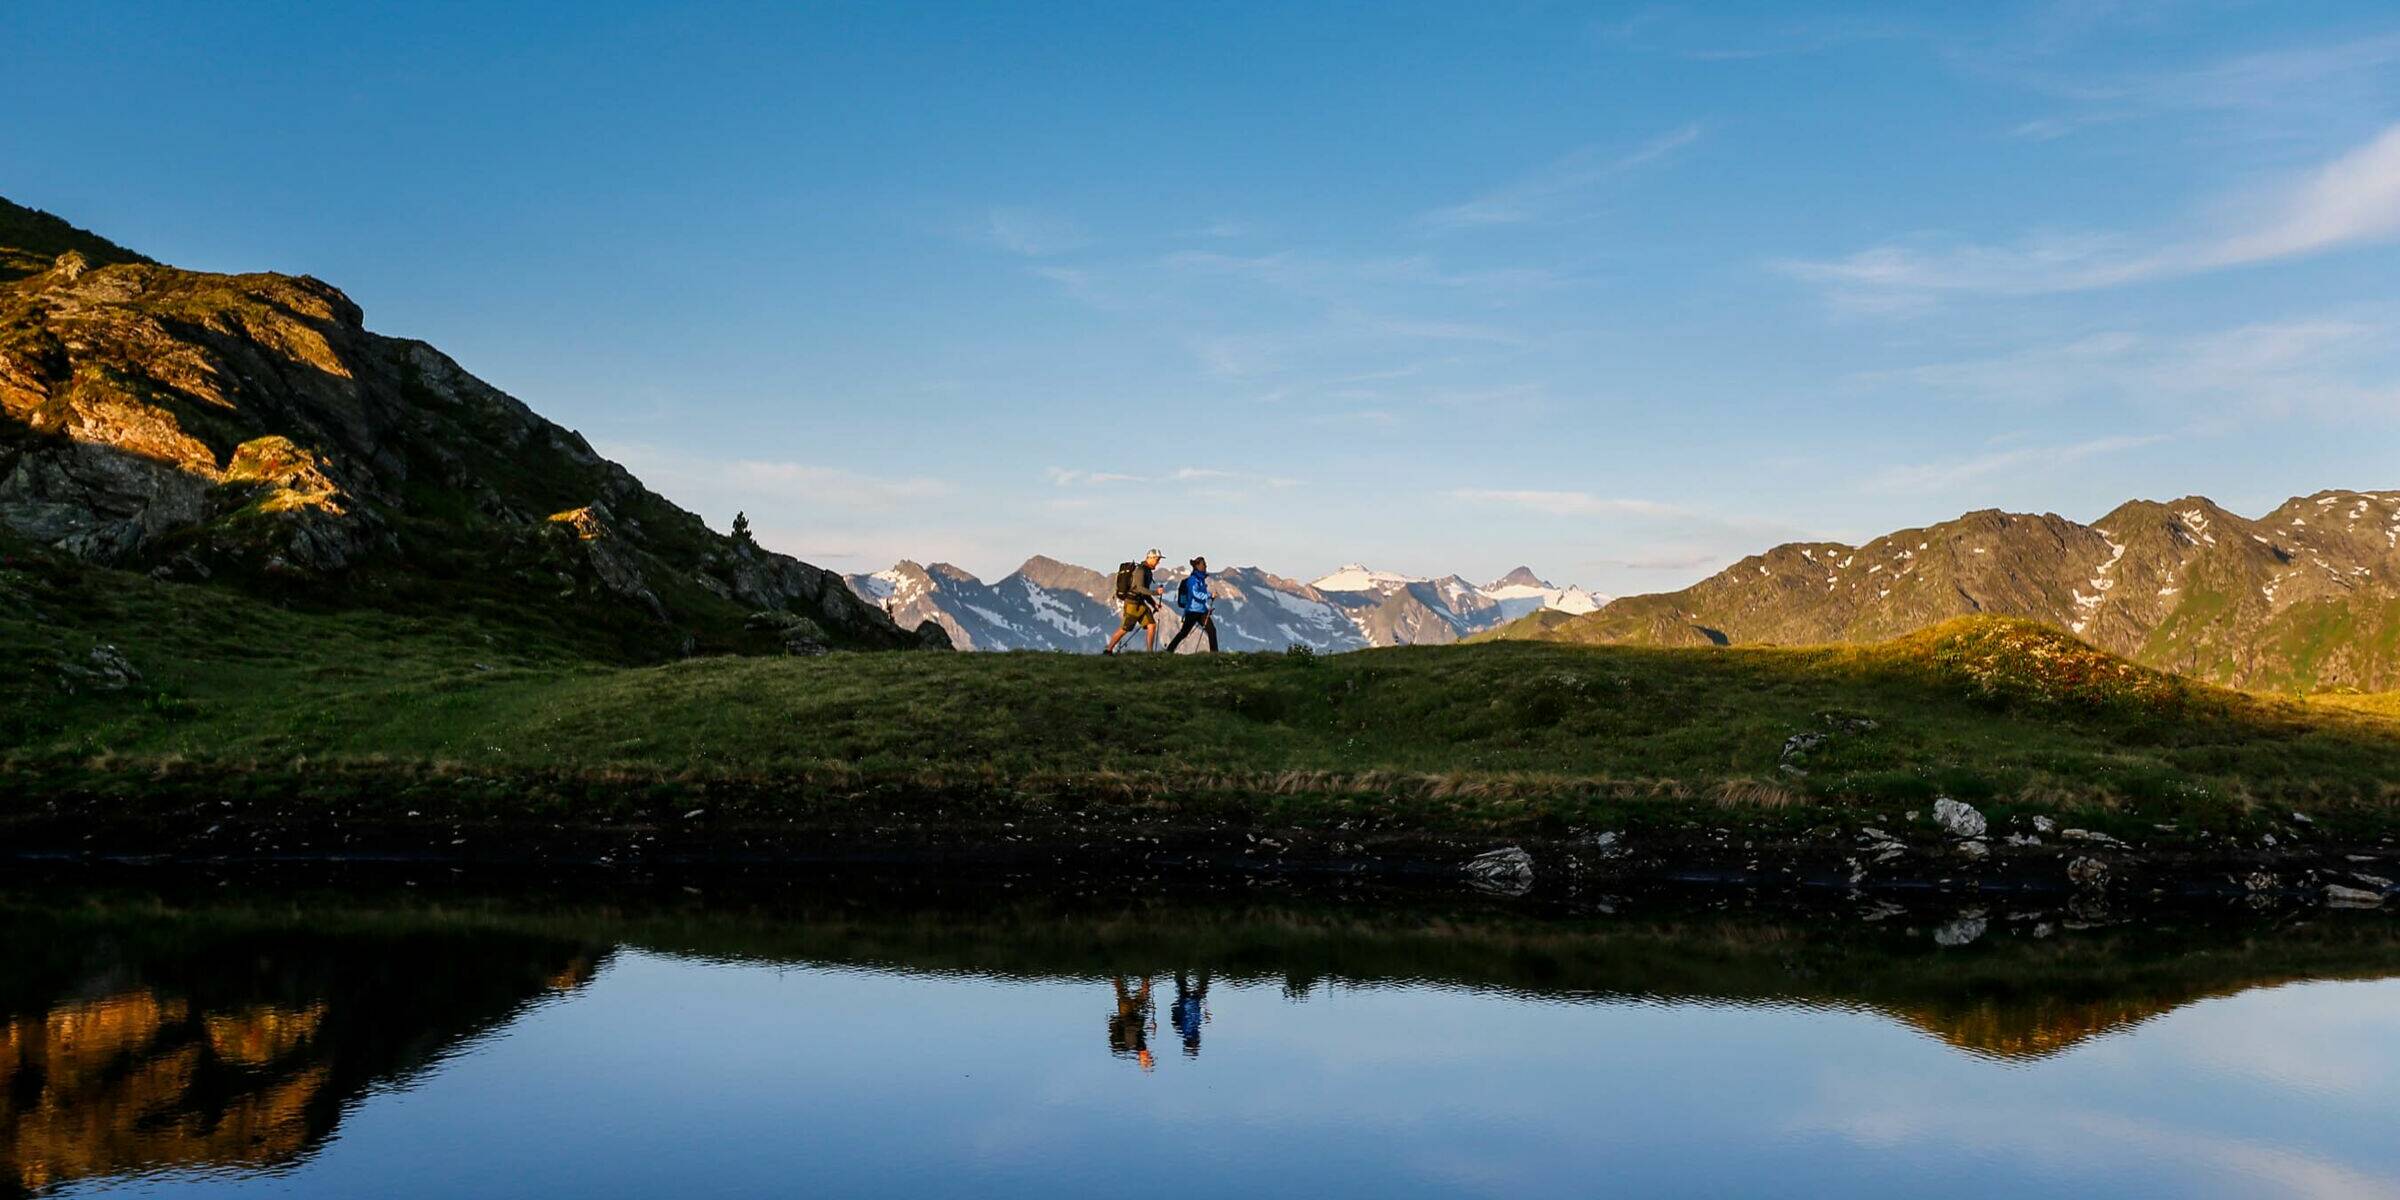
278	1045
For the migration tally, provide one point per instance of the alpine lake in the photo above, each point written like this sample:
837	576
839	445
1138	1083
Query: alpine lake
900	1034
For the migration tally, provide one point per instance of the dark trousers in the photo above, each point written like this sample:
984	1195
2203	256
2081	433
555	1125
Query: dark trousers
1207	624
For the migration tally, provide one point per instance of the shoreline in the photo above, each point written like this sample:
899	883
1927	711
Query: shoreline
384	817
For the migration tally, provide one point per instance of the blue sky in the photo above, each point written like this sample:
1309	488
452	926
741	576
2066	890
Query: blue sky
1622	291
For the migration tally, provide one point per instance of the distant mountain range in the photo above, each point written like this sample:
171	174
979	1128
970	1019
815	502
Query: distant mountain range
2303	598
1051	605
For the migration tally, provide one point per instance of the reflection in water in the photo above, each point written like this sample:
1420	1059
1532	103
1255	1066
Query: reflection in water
124	1052
218	1041
138	1080
1190	1011
1130	1026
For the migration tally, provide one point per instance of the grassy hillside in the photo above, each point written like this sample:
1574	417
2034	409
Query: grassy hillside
2299	600
1984	709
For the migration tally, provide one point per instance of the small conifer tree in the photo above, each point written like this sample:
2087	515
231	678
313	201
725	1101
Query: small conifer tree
741	529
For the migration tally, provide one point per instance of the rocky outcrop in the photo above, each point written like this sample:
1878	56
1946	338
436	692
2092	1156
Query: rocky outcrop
248	429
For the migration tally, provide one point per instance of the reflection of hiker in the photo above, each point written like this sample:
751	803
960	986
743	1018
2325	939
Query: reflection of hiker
1190	1012
1139	595
1129	1027
1193	601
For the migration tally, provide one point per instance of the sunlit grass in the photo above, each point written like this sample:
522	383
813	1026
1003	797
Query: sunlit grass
1987	710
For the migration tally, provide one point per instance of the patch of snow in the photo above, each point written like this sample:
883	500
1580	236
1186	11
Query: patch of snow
897	588
993	617
1355	577
1051	611
1578	601
1517	599
1313	611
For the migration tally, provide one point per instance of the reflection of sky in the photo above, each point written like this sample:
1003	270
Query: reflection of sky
670	1078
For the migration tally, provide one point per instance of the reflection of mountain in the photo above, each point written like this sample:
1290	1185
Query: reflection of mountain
158	1045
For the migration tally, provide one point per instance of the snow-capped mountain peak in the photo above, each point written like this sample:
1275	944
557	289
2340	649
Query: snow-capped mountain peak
1521	591
1357	577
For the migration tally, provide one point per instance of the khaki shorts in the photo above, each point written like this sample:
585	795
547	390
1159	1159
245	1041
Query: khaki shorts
1138	615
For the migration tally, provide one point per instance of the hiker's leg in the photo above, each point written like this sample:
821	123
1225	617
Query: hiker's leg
1177	640
1208	625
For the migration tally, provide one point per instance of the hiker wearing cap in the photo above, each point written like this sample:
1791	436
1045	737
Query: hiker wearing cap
1130	1027
1194	602
1140	596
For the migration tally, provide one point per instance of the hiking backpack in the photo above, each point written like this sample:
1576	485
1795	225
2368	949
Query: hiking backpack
1125	589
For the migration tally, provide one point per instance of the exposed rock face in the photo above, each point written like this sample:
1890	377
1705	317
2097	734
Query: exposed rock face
105	669
1957	819
249	428
1508	871
2307	596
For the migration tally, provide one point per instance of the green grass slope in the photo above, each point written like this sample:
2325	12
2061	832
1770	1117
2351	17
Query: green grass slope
1983	709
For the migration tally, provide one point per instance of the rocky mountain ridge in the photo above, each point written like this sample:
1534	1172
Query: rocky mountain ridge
2305	597
248	430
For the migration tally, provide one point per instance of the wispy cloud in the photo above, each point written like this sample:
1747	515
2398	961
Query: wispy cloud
1082	284
2352	200
1543	193
1320	275
760	483
1689	33
2335	367
1676	559
1224	228
1031	233
1943	476
1566	504
1069	478
2291	90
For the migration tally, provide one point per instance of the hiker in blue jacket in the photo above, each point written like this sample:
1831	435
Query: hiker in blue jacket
1193	601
